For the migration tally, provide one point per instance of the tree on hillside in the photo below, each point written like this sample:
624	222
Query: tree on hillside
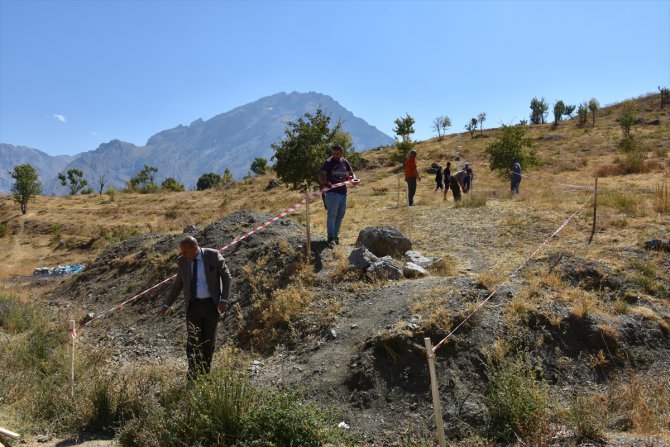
559	111
207	181
143	181
73	180
404	128
481	118
472	127
583	114
437	126
539	109
301	153
440	125
26	185
102	181
170	184
594	106
626	121
227	177
665	96
510	144
259	166
569	110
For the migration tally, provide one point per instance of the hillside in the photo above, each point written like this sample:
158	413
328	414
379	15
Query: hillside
591	320
47	166
231	140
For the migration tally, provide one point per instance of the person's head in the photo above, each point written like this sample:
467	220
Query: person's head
189	248
412	153
337	152
448	164
514	161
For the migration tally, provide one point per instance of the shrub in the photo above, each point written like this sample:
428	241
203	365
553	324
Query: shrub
587	415
517	401
4	230
511	144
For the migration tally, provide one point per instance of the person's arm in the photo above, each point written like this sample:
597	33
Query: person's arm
416	170
226	278
350	170
172	295
323	177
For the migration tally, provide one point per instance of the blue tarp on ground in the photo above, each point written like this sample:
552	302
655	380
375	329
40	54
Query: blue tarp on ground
60	270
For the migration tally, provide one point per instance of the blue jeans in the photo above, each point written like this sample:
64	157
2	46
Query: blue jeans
337	206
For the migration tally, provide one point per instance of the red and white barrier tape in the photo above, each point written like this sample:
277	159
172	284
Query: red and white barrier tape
292	209
522	265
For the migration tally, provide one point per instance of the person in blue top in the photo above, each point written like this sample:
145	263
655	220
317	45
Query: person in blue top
335	169
515	176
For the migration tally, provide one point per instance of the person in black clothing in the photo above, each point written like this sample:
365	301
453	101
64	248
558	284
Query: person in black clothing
467	180
438	178
447	178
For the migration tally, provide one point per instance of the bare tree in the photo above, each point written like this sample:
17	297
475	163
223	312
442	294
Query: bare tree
437	126
102	181
481	118
665	95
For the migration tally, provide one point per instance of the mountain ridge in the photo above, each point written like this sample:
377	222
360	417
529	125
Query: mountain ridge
231	140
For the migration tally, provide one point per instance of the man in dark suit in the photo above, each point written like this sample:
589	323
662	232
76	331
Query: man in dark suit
203	275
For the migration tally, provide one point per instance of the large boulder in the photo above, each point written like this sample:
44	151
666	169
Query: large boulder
384	269
361	258
416	258
384	241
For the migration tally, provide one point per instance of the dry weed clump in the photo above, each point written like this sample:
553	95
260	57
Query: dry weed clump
662	199
643	400
446	267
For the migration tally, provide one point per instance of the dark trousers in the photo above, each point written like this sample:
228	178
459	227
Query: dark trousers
515	187
455	188
202	318
411	190
466	184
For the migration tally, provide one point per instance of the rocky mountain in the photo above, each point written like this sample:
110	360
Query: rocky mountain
47	166
230	140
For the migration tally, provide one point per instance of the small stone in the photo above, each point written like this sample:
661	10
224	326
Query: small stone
411	270
190	229
332	333
43	438
354	325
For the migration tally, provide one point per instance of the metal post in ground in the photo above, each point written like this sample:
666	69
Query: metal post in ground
437	406
73	335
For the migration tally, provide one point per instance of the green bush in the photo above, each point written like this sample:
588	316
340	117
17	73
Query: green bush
586	416
517	401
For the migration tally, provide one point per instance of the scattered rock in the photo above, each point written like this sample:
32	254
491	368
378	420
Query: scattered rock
655	122
383	241
86	318
190	229
272	184
416	258
43	438
657	245
332	333
555	136
384	269
620	423
361	258
411	270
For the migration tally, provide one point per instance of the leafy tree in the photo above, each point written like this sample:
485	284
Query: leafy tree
481	118
172	185
626	121
472	127
300	154
87	191
227	177
539	109
75	178
559	111
583	114
26	185
446	124
510	144
569	110
207	181
404	128
523	122
594	106
144	181
259	166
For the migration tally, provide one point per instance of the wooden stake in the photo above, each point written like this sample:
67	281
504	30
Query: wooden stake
595	209
309	238
74	327
437	406
398	204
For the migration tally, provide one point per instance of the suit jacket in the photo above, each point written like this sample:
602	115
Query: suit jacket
216	272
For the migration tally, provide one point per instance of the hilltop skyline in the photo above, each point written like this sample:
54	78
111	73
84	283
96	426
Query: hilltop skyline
75	74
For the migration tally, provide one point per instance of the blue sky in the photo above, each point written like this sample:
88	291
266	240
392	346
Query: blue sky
74	74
